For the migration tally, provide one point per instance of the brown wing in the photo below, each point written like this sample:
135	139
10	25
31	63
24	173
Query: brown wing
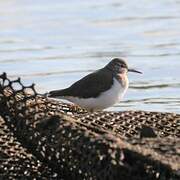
89	86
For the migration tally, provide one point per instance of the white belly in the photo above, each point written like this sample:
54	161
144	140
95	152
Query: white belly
105	100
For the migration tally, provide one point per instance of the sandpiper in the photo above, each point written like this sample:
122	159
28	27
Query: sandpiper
100	89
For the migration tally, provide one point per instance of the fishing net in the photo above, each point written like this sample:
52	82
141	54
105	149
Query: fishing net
48	139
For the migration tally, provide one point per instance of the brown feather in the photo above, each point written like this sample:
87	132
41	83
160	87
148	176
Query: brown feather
89	86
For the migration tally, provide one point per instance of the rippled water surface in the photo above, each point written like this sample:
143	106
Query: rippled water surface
54	43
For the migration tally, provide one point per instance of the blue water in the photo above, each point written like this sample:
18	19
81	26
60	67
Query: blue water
54	43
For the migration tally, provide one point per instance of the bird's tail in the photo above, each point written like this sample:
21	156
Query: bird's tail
57	93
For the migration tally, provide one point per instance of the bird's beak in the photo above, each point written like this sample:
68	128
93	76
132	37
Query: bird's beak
133	70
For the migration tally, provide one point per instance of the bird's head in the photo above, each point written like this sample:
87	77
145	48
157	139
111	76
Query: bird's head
119	66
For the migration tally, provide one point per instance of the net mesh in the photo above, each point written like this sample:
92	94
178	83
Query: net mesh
63	141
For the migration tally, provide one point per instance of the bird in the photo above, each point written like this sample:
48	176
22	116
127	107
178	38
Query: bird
100	89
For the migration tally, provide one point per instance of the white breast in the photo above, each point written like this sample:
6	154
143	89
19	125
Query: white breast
105	100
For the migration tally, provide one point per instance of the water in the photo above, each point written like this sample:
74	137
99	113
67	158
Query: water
54	43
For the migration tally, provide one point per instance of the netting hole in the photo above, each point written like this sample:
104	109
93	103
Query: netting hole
16	86
29	90
5	82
